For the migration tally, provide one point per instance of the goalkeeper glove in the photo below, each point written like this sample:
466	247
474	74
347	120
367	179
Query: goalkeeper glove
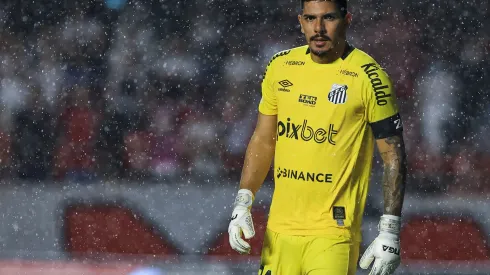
241	221
385	249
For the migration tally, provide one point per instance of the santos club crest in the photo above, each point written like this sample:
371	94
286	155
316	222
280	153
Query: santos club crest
338	94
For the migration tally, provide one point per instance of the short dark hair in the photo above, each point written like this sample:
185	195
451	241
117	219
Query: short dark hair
341	5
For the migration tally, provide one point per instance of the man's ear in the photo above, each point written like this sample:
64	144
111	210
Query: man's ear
301	26
348	17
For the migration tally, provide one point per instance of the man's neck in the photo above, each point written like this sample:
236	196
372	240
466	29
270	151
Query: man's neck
331	56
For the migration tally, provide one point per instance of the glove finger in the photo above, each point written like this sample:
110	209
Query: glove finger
390	268
367	258
248	227
384	270
236	242
235	237
377	267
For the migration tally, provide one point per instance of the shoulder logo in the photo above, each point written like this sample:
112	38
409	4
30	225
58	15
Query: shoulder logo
349	73
338	94
379	87
285	84
295	63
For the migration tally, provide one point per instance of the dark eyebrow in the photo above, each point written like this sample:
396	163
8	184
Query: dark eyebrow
334	14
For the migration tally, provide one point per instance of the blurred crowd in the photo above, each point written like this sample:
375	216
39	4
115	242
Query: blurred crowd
154	90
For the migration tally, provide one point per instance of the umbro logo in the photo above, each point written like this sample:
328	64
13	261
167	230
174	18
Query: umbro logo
285	83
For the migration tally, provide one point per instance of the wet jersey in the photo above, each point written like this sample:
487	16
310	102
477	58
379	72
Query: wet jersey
328	117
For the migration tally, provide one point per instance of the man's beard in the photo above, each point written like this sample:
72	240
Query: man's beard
320	53
323	52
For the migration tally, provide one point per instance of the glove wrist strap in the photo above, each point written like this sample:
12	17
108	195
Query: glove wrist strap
244	198
390	224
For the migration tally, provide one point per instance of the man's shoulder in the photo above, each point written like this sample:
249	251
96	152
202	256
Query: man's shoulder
293	56
297	53
359	57
365	64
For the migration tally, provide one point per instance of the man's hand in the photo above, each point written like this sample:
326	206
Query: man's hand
385	249
241	221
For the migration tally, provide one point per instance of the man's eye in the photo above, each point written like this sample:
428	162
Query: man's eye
329	17
310	18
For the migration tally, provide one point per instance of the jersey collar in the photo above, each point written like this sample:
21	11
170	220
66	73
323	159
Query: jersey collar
348	49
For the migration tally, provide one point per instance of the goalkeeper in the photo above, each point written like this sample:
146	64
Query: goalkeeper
324	106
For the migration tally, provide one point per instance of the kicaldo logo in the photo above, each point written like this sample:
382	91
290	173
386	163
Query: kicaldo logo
305	132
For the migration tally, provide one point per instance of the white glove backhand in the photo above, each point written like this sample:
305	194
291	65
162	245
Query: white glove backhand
241	222
385	249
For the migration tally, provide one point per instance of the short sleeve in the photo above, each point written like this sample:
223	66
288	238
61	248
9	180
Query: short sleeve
381	106
268	102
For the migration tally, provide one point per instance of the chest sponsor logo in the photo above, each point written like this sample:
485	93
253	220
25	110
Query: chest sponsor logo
303	175
305	132
284	85
295	63
307	100
379	87
338	94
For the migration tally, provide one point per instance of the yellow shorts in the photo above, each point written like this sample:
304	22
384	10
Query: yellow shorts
308	255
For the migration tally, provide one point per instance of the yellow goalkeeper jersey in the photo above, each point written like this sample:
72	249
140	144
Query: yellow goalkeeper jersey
328	116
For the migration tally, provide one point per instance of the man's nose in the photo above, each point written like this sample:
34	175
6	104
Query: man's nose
319	26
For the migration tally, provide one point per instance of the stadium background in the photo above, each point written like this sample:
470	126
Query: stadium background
123	125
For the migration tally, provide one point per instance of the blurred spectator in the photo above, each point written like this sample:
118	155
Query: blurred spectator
137	145
32	141
467	179
75	152
50	73
110	145
130	57
438	88
165	144
201	148
240	122
13	89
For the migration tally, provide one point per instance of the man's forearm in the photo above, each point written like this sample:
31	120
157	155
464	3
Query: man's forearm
394	176
258	159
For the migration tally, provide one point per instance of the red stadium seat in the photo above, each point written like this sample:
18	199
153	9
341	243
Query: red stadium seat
443	238
221	246
92	230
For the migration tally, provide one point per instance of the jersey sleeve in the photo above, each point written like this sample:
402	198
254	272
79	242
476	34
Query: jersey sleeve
268	102
380	101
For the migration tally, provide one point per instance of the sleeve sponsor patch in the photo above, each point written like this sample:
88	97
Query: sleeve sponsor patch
380	89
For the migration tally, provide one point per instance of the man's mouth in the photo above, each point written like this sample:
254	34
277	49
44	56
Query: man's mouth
320	42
